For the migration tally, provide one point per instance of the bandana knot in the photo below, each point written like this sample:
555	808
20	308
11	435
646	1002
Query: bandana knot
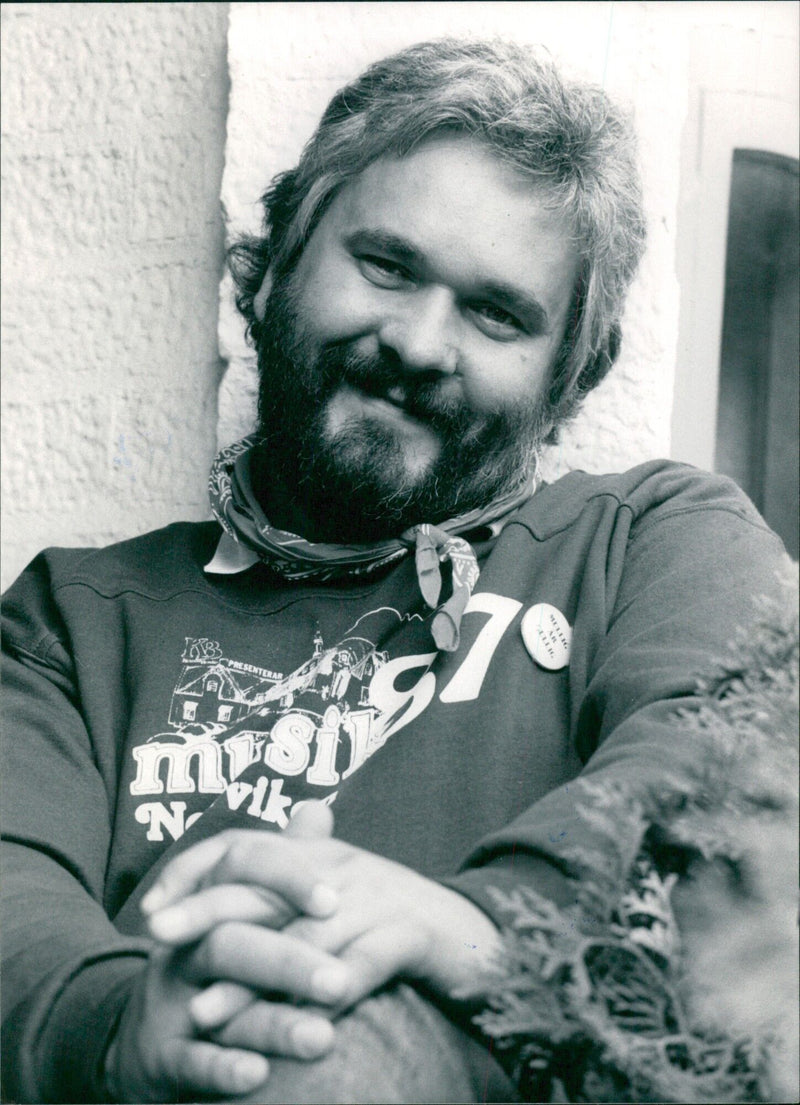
435	546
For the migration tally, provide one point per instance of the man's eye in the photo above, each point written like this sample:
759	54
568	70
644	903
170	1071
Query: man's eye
496	322
383	272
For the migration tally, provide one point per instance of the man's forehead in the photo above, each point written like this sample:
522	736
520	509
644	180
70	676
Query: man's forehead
454	205
462	162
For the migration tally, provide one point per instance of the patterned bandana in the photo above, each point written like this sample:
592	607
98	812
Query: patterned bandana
238	512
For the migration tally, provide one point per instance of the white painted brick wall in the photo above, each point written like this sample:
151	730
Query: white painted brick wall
113	130
286	60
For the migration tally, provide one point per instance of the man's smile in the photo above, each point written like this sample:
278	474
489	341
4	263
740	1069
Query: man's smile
374	388
378	388
390	404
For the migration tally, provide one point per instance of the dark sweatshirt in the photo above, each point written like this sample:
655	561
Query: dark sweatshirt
149	703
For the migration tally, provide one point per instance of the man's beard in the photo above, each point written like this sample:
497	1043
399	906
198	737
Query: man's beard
356	486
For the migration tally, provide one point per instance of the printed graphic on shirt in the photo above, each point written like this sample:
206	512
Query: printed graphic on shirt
294	736
263	741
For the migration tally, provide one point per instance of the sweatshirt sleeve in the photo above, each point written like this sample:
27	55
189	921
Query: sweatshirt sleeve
67	970
686	582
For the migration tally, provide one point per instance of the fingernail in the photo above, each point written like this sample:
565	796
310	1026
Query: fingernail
208	1009
323	900
152	899
248	1072
170	924
328	983
312	1038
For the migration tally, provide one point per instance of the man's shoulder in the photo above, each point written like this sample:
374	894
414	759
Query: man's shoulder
157	562
651	491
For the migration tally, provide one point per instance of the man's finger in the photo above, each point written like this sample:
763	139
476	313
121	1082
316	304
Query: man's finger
201	1067
310	820
220	1001
273	861
288	866
376	957
266	960
184	873
195	915
277	1029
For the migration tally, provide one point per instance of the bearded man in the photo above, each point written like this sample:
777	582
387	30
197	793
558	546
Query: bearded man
265	774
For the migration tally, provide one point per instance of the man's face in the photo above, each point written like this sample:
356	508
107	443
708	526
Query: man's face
407	357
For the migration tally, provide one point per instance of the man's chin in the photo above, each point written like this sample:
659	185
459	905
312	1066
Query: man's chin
368	424
378	465
377	478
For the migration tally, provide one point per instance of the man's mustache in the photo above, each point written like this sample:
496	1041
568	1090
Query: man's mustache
383	375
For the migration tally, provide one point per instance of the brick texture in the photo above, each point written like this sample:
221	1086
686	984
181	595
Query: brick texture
113	131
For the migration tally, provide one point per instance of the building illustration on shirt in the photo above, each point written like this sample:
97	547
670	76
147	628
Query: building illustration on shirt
214	689
320	721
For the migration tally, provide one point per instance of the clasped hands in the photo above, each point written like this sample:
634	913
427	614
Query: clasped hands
264	939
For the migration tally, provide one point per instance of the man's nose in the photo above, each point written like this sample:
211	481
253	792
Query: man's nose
423	331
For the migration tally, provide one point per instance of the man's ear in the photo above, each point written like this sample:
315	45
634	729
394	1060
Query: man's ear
262	295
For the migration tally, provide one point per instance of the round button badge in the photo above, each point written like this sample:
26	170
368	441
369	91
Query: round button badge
547	635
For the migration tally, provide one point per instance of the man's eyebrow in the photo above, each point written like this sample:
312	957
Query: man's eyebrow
523	304
400	248
518	302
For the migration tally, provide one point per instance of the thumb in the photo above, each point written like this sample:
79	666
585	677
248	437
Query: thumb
310	821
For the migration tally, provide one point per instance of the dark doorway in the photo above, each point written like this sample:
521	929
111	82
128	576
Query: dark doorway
759	405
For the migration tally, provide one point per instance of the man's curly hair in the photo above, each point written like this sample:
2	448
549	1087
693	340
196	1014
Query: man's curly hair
566	137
